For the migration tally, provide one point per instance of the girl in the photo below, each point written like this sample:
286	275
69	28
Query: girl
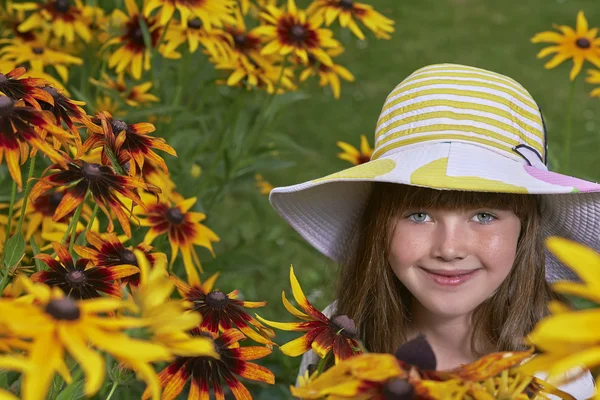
442	231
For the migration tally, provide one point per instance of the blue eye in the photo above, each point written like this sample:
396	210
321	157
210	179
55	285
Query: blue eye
418	217
486	218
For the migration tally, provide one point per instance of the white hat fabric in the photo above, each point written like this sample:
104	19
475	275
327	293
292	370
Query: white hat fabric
449	127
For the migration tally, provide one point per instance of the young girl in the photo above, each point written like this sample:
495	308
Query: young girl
442	231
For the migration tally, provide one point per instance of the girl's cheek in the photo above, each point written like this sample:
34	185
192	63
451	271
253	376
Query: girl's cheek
408	244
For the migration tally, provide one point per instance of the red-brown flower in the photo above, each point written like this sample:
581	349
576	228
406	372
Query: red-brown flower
220	310
78	177
67	110
108	251
27	89
80	279
205	370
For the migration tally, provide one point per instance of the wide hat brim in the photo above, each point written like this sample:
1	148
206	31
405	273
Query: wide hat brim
326	211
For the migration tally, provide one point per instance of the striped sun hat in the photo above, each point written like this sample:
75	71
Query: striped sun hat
449	127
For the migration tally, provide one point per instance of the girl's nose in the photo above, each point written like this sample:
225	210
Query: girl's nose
449	243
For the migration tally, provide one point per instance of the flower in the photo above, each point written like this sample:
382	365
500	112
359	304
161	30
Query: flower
81	279
203	370
109	252
352	154
183	228
323	334
215	41
134	96
155	176
328	74
58	324
27	89
594	77
126	141
220	310
263	186
78	177
580	44
19	129
10	65
210	12
292	32
65	18
347	10
65	109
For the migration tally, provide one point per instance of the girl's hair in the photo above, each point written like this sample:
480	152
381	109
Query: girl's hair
370	293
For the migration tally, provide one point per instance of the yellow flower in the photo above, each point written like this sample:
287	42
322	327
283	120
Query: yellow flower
66	19
353	155
328	74
106	103
13	363
263	186
347	10
195	171
252	74
580	44
292	32
210	12
594	77
134	96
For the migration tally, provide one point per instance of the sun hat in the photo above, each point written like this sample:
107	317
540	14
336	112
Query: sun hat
449	127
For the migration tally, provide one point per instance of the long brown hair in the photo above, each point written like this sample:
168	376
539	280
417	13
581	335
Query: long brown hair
368	291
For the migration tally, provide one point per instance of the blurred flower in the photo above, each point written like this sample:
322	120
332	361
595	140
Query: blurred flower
38	55
220	310
352	154
195	171
594	77
106	103
263	186
55	231
67	110
128	142
134	96
10	65
19	130
204	370
27	89
58	324
183	228
109	252
78	177
347	10
13	363
10	19
328	74
255	5
65	18
323	334
81	279
249	74
215	41
210	12
292	32
155	176
580	45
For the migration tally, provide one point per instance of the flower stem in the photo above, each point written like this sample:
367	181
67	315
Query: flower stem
27	190
13	194
73	225
567	134
322	363
112	390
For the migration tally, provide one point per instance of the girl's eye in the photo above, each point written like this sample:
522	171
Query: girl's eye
418	217
484	218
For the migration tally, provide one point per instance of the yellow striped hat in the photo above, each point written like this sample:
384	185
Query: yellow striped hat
449	127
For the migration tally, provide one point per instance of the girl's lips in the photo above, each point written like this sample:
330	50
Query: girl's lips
450	278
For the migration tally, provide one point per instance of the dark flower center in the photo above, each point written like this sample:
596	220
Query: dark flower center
61	6
240	40
118	126
298	33
54	199
174	216
91	170
347	4
346	325
137	36
217	299
63	309
76	278
398	389
195	23
38	50
52	91
3	78
127	257
583	43
7	105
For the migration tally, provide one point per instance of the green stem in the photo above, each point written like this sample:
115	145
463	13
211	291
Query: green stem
73	225
567	134
322	363
92	218
27	190
13	195
112	390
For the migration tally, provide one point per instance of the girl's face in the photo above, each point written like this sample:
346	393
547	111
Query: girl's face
452	261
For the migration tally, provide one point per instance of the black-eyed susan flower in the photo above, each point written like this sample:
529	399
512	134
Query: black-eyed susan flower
155	176
183	228
580	44
322	334
10	65
57	324
65	109
10	19
212	13
134	95
328	74
594	78
108	251
65	18
77	177
255	6
215	41
220	310
133	140
106	103
292	32
354	155
205	372
81	279
19	130
346	11
262	185
30	90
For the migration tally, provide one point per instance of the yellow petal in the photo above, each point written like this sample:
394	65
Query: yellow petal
584	261
90	361
582	24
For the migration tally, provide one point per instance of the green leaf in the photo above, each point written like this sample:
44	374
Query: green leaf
14	249
39	266
579	303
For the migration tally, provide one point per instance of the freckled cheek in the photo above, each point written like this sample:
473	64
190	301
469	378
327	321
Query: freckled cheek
497	251
407	248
